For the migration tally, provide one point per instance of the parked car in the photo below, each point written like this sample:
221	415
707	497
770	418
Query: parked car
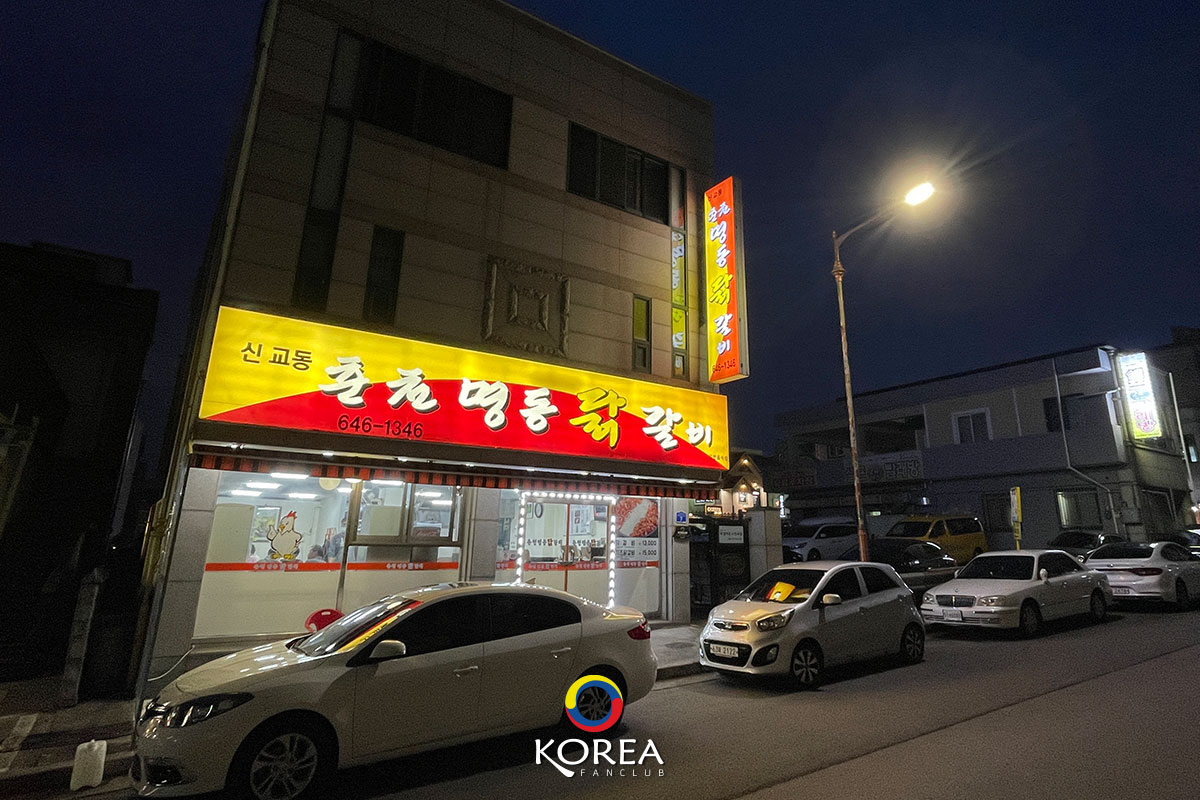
960	536
1079	542
798	619
817	538
1188	538
1161	571
1018	589
920	564
415	671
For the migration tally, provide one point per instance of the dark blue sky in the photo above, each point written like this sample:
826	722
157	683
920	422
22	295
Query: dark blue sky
1065	137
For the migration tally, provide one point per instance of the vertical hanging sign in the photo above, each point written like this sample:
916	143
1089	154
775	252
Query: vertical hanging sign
725	283
1139	396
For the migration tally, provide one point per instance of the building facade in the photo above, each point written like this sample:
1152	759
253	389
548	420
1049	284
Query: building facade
451	327
1063	428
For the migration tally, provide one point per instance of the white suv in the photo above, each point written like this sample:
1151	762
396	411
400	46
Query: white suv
817	538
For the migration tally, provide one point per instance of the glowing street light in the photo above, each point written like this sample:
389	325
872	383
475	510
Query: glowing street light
915	196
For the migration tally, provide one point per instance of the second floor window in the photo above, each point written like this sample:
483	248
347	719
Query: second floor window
972	426
641	334
617	175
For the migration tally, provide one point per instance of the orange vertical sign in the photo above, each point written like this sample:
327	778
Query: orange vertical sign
724	284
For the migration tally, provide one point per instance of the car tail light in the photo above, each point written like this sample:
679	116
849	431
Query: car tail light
642	631
1146	571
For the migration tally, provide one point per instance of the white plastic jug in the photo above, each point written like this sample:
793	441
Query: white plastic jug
88	769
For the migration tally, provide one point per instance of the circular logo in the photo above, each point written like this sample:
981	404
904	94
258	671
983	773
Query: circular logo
594	703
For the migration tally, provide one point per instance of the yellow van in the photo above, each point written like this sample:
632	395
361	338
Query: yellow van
959	535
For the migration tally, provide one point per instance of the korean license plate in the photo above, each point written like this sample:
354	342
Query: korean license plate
1122	590
952	615
723	650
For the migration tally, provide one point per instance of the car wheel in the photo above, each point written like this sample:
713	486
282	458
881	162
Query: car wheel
814	555
912	644
287	759
1182	599
1031	619
1098	607
807	665
595	704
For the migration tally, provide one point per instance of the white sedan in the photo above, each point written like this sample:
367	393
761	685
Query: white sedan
415	671
1018	589
1162	571
798	619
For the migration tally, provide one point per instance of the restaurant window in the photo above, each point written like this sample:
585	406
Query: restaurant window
615	174
434	105
383	275
1078	508
641	334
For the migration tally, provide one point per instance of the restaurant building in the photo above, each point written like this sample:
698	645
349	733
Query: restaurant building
453	325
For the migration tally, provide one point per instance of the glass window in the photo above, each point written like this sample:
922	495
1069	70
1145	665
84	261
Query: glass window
515	614
654	199
938	529
1174	552
1010	568
609	171
971	426
843	584
581	170
641	334
611	183
677	190
1079	508
444	625
783	586
913	529
383	275
315	264
877	580
1050	407
959	525
1122	550
1057	564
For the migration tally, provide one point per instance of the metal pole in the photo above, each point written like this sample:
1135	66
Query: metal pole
838	272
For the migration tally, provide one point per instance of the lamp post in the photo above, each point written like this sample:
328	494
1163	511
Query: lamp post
915	196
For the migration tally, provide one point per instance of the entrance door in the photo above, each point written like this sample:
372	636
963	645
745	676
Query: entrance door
432	692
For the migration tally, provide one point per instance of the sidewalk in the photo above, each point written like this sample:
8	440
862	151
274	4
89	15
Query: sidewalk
38	740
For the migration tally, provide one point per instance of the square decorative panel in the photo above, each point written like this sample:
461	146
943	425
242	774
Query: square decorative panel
526	307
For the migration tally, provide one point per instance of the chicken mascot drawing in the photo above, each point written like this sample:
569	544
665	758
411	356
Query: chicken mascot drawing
285	541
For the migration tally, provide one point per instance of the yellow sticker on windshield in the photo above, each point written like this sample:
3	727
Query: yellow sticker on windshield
780	591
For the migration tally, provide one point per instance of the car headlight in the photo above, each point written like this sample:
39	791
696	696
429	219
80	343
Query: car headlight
993	600
774	622
202	708
928	599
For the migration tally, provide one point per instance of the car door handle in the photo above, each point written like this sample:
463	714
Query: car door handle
560	651
460	672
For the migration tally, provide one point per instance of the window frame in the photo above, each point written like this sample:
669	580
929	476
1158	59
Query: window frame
1082	522
644	346
633	193
971	413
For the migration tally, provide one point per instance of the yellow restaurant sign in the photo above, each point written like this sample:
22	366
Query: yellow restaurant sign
279	372
725	283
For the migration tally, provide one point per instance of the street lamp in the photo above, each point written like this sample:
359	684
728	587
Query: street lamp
915	196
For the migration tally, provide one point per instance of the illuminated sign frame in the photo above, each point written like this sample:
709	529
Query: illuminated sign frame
278	372
725	283
1138	388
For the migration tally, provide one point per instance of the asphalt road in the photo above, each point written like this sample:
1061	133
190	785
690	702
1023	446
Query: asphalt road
1083	711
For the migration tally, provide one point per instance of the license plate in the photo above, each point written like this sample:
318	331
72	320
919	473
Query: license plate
952	614
1122	590
723	650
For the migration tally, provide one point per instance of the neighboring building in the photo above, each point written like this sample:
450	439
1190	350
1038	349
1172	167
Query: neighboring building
1182	359
75	336
1055	425
742	487
452	328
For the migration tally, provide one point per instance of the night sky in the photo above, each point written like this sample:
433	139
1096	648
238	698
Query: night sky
1064	139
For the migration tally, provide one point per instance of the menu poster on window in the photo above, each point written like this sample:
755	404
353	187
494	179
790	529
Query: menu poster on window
637	530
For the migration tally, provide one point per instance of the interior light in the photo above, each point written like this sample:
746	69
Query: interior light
302	495
443	502
345	489
261	485
245	493
381	482
352	480
328	454
291	476
429	494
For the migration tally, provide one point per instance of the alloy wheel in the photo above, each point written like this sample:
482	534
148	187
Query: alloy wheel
284	767
913	644
1098	607
806	666
594	703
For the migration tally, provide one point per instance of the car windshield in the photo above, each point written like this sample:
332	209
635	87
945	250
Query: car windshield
355	625
1122	550
1004	568
909	528
1074	539
783	586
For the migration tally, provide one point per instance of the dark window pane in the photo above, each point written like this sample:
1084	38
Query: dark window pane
383	275
641	357
437	111
450	623
845	584
487	122
514	614
581	171
877	580
315	264
633	180
654	190
611	187
396	103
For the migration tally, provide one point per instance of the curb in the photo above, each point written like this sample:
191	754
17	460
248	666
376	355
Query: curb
680	670
55	779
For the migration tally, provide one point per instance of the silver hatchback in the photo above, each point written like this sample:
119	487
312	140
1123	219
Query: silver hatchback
798	619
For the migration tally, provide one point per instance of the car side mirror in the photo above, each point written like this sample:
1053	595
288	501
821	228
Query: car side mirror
1044	575
831	599
1081	559
957	571
388	649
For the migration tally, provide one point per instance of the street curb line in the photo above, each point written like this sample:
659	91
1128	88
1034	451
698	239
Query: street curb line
56	777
